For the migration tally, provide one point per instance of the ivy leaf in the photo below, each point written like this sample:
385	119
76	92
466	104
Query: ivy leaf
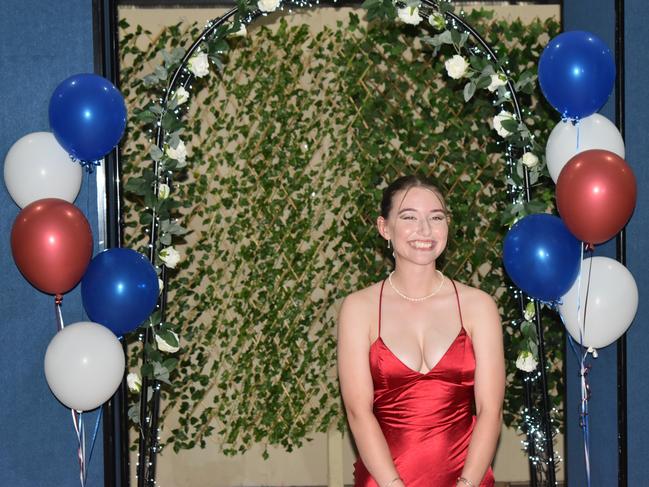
445	6
483	81
156	153
469	90
134	413
510	124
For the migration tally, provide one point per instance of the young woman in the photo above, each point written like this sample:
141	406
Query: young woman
420	358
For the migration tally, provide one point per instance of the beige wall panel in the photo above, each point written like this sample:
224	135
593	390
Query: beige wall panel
327	458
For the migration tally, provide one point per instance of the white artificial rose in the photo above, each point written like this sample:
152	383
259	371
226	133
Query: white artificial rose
530	160
409	15
181	95
161	285
437	20
165	346
456	67
178	153
497	80
170	257
134	382
242	32
526	361
199	64
498	123
268	5
163	191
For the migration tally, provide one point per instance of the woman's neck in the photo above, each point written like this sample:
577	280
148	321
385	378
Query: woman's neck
416	280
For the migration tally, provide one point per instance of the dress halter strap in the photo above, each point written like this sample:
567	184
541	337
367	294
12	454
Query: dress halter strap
457	298
380	301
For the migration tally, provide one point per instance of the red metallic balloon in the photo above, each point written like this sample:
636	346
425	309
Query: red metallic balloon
51	242
596	195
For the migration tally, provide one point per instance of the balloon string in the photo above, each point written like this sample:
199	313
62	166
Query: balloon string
77	421
58	299
577	124
94	437
585	393
584	368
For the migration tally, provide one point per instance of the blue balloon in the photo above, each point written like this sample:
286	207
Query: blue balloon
576	73
542	257
87	116
119	289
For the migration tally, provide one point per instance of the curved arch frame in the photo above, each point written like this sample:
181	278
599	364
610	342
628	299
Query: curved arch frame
147	448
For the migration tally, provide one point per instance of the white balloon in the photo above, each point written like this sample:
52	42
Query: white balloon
37	167
611	307
567	140
84	365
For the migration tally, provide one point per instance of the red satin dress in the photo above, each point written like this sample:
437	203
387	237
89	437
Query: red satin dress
427	419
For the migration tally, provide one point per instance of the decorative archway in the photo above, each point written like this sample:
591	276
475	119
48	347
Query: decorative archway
161	226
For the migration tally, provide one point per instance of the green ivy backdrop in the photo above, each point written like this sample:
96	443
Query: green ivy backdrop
290	148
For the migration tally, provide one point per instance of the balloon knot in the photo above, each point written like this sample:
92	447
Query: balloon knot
89	166
58	299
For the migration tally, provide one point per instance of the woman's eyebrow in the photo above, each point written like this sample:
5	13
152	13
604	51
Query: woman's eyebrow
436	210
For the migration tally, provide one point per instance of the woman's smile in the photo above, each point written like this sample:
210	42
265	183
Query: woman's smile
422	244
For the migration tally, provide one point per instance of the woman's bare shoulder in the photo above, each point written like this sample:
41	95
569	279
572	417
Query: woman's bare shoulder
358	312
473	296
478	308
363	297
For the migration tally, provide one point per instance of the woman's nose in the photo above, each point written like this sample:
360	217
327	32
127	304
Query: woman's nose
424	226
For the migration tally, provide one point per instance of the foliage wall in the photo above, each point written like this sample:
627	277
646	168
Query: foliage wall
290	148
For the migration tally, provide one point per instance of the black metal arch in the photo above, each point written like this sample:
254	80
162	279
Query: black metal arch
149	412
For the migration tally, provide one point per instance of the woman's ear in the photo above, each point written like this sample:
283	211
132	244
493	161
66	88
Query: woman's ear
382	226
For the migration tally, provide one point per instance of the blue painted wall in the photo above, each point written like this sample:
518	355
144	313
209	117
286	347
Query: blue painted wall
637	150
41	43
598	16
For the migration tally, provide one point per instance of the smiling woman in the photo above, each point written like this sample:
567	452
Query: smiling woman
410	403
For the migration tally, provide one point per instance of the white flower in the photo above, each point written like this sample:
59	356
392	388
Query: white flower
497	80
161	285
526	361
498	122
242	32
165	346
268	5
437	21
530	160
163	191
178	153
199	65
409	15
456	66
181	95
170	257
134	382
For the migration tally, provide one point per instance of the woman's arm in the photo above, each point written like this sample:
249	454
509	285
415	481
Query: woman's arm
486	334
358	392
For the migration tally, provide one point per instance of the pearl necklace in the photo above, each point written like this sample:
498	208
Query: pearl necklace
416	300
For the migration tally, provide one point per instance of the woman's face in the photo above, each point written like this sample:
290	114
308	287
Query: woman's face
417	225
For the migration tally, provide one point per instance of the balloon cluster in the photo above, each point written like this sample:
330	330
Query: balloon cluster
595	192
51	241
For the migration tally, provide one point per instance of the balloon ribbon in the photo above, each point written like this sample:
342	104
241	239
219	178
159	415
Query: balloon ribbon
77	416
584	368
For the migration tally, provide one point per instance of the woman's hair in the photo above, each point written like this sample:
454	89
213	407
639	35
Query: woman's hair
406	183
